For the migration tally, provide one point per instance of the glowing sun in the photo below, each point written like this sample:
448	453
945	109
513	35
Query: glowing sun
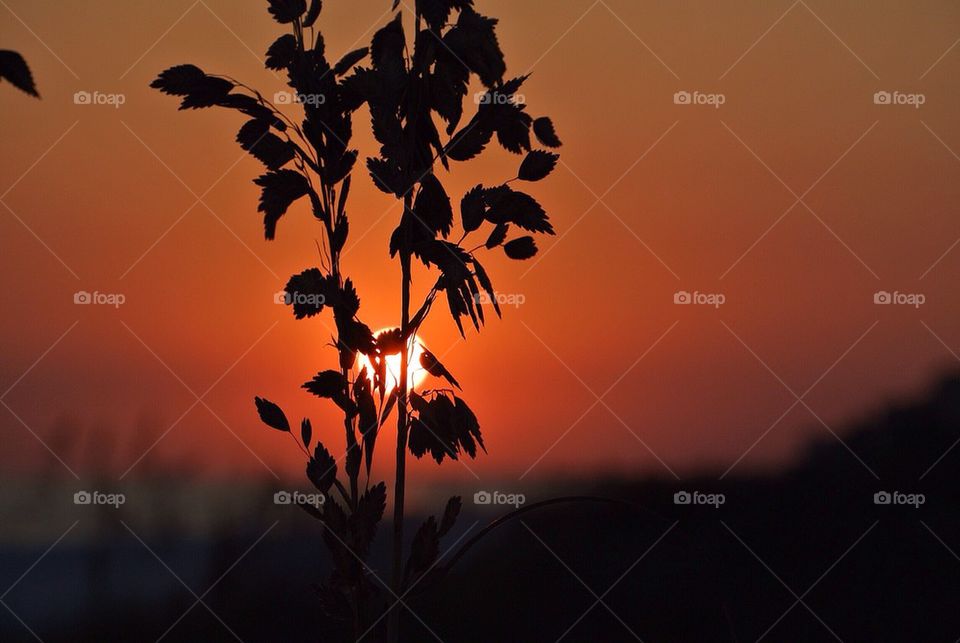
415	373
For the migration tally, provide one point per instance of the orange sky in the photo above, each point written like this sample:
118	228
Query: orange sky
693	198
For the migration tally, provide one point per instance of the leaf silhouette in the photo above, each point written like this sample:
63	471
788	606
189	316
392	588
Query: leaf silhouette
306	431
509	206
281	53
368	421
450	514
331	385
15	70
432	207
538	165
543	129
322	469
363	522
268	148
423	551
312	13
486	285
285	11
271	414
197	88
349	60
432	365
444	427
280	189
474	41
308	292
522	248
468	142
472	209
497	236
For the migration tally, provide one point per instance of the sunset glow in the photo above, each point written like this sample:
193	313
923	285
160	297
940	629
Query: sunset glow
415	373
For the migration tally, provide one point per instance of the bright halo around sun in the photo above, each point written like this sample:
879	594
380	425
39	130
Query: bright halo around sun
415	373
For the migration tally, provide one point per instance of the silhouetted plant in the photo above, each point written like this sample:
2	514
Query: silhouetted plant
404	86
14	69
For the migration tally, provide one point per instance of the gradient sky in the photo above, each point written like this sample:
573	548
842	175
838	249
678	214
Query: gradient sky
651	198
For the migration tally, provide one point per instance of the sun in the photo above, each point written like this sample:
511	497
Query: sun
415	373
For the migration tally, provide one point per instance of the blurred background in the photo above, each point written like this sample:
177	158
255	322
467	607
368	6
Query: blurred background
750	294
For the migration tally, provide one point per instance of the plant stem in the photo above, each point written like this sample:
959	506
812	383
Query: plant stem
393	621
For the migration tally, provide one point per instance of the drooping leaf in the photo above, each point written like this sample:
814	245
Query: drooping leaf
468	142
349	60
472	208
432	206
450	514
522	248
271	414
268	148
538	165
280	189
14	69
368	421
487	286
322	469
424	551
308	292
281	53
312	13
363	522
286	11
474	41
432	365
498	235
306	431
545	133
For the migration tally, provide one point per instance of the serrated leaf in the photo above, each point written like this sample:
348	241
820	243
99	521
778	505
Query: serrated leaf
281	53
472	208
468	142
268	148
14	69
322	469
308	292
328	384
286	11
450	514
280	189
509	206
349	60
432	206
522	248
538	165
545	133
497	236
271	414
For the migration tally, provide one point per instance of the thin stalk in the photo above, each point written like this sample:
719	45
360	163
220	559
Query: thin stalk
393	621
